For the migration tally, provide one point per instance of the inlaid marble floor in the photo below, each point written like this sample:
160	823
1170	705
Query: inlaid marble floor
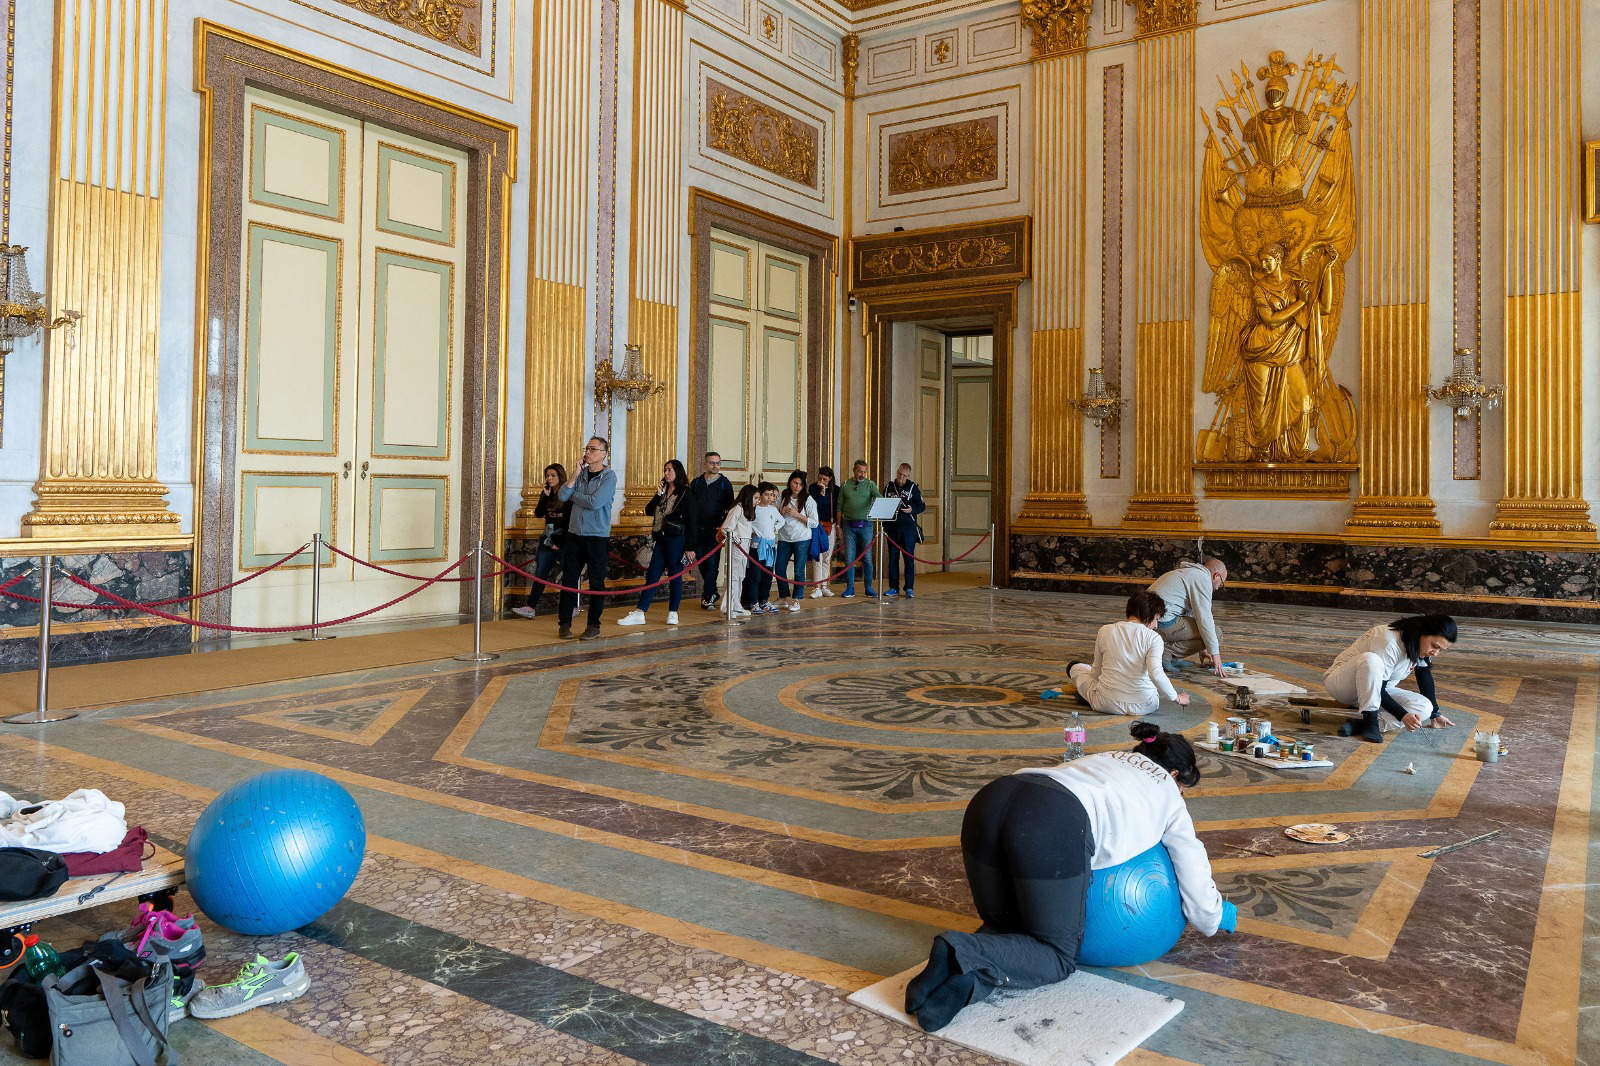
687	848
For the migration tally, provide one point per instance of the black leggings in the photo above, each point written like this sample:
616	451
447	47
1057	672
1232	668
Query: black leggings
1424	675
1027	846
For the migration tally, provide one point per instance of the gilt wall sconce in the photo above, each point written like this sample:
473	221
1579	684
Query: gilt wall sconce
1100	404
1464	390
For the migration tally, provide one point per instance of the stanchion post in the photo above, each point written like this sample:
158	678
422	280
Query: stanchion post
882	574
316	590
41	712
478	655
727	581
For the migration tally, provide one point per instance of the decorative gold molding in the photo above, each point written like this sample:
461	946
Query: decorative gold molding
850	62
951	255
454	22
1058	26
1151	17
760	135
1268	481
941	157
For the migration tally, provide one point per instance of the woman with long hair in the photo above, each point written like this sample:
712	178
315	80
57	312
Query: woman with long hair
547	562
1032	841
825	494
799	513
1367	674
668	530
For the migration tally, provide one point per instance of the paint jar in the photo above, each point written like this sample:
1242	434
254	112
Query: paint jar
1307	752
1261	727
1213	734
1226	744
1237	726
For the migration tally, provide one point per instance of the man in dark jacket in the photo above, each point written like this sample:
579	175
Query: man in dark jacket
710	496
903	532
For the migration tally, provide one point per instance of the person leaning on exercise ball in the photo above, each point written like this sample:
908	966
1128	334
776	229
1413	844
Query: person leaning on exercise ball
1033	839
1367	674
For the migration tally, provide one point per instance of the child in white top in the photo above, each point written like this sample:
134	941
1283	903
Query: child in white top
765	539
1126	676
734	534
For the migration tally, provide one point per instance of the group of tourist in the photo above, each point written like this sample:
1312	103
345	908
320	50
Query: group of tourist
771	533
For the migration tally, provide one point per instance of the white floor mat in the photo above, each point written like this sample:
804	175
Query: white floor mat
1085	1020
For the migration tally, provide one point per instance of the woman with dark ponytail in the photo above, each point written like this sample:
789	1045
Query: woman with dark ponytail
1032	841
1366	675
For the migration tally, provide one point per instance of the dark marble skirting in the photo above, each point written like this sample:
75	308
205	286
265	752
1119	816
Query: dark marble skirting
1489	582
81	634
630	557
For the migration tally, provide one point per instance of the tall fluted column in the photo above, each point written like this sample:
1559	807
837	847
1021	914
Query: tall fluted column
1543	330
657	229
1060	41
558	243
97	474
1164	346
1394	249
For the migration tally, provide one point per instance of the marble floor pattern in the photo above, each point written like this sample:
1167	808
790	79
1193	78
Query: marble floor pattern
687	848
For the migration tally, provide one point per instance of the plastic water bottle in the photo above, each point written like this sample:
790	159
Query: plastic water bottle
1073	735
40	959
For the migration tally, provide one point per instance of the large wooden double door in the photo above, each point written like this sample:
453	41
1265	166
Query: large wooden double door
350	391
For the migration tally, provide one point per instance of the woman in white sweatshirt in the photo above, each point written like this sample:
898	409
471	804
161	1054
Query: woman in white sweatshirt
734	534
1366	675
1126	676
1031	842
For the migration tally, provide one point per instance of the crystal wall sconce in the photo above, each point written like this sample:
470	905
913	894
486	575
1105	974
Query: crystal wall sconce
1464	390
632	384
1099	404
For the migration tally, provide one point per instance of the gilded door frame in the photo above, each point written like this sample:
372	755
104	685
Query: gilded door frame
226	63
998	304
708	211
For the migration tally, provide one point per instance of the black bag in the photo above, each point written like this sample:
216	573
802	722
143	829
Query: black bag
28	873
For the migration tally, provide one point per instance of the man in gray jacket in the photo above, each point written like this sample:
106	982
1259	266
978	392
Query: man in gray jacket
588	544
1187	626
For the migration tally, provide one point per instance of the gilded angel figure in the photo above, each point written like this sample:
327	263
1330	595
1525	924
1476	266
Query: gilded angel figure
1277	225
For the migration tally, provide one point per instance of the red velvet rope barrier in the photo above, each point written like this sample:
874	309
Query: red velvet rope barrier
97	606
629	591
791	581
941	562
113	597
395	573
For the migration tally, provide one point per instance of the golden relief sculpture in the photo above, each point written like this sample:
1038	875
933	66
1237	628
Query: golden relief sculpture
957	153
452	22
850	61
762	136
938	257
1278	223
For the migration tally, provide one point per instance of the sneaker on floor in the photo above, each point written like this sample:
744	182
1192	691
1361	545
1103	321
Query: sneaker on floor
634	617
816	593
672	618
524	612
178	1005
794	605
157	934
706	605
826	591
740	612
259	983
591	633
566	633
849	594
910	595
889	594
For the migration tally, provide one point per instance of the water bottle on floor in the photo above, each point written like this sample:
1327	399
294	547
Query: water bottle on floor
1073	735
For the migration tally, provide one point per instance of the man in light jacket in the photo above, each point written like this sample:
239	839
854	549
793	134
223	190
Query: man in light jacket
588	543
1187	627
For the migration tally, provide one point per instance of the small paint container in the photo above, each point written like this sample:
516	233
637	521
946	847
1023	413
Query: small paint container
1213	734
1307	752
1226	744
1261	727
1237	726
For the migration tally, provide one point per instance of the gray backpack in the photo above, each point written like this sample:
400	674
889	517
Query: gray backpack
120	1023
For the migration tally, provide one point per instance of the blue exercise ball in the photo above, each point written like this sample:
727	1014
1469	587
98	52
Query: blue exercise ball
275	851
1134	914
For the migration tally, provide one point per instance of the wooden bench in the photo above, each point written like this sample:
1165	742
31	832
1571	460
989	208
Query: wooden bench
156	881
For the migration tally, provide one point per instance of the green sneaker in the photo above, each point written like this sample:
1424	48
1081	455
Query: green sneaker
178	1005
259	983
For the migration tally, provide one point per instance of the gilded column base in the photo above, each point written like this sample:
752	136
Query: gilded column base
1161	511
1526	519
1055	510
102	510
632	519
1394	512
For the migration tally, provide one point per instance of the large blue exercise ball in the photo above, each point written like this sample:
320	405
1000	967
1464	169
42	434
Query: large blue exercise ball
1134	914
275	851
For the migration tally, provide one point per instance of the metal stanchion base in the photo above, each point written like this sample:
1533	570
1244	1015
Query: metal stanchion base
318	636
475	657
34	718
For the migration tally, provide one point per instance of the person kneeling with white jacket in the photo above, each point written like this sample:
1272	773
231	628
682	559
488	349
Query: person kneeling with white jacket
1126	676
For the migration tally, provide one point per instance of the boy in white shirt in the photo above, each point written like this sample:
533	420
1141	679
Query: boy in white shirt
1126	676
764	539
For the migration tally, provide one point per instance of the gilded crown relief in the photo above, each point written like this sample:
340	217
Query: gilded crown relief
458	23
762	136
939	157
1278	224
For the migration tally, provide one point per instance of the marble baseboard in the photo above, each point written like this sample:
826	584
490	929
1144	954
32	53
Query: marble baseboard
1530	584
630	558
83	634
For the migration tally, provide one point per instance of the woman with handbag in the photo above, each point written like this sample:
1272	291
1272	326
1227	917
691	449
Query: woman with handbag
825	494
799	513
547	562
904	533
668	531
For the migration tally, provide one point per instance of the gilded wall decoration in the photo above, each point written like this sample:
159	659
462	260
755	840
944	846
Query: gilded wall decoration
952	255
1057	25
458	23
1163	16
957	153
762	136
1278	223
850	61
